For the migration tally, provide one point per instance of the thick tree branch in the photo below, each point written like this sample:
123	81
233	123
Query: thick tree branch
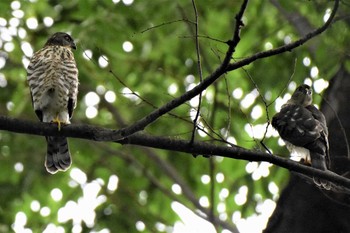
201	148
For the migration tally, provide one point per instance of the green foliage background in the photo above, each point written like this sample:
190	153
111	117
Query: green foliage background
163	56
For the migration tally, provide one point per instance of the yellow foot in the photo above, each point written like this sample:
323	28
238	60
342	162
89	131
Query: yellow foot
56	120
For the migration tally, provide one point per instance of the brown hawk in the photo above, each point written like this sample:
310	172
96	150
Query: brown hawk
53	80
304	129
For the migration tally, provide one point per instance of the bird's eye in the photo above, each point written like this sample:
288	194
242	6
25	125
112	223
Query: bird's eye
67	38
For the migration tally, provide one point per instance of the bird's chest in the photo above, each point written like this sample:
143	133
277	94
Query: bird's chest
56	72
55	67
55	82
56	62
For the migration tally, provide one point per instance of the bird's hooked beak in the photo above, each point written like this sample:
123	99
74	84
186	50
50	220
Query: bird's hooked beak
73	45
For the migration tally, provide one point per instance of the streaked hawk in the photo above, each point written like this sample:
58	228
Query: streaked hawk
53	80
304	129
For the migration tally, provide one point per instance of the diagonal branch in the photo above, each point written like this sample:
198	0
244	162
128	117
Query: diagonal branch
287	47
224	67
153	116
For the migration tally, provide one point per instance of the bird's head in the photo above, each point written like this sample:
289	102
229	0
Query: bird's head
62	39
302	96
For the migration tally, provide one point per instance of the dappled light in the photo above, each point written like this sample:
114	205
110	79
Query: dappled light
143	197
241	196
3	81
249	99
20	222
110	96
172	89
112	183
204	201
176	189
87	54
314	72
320	85
19	167
32	23
190	222
35	206
205	179
48	21
127	46
141	61
56	194
327	14
103	61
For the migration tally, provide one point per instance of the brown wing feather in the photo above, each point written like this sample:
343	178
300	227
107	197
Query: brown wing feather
297	125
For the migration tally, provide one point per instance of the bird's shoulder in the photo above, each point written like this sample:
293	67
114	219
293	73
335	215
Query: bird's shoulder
54	52
319	116
293	114
51	54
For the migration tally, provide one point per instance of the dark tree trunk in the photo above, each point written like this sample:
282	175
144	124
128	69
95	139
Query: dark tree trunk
302	207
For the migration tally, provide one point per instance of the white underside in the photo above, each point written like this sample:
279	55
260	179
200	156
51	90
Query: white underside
298	153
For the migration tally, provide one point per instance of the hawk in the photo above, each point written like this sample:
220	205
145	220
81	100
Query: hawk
304	129
52	75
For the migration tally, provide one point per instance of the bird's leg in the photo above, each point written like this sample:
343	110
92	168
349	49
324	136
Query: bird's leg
57	120
306	160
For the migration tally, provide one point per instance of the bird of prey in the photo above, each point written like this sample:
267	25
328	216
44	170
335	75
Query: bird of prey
52	75
304	129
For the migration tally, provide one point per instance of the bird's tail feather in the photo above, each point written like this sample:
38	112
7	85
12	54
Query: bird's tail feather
58	157
319	161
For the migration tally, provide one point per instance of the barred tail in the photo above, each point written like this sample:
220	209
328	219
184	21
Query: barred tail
58	156
319	161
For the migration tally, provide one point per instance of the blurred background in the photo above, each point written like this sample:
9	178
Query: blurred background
135	56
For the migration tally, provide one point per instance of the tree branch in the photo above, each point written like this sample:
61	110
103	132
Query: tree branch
287	47
199	67
153	116
224	67
185	189
95	133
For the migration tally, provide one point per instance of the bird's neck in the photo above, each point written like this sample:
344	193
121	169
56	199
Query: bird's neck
303	103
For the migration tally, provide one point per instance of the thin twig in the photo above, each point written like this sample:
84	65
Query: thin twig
287	84
224	67
268	105
205	37
199	67
131	91
229	109
166	23
286	48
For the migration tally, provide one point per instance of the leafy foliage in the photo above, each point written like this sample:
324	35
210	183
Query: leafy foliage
133	58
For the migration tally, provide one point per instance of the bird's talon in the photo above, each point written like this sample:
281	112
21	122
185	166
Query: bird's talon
56	120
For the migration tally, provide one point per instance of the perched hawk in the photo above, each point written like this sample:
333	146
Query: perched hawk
53	80
304	129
